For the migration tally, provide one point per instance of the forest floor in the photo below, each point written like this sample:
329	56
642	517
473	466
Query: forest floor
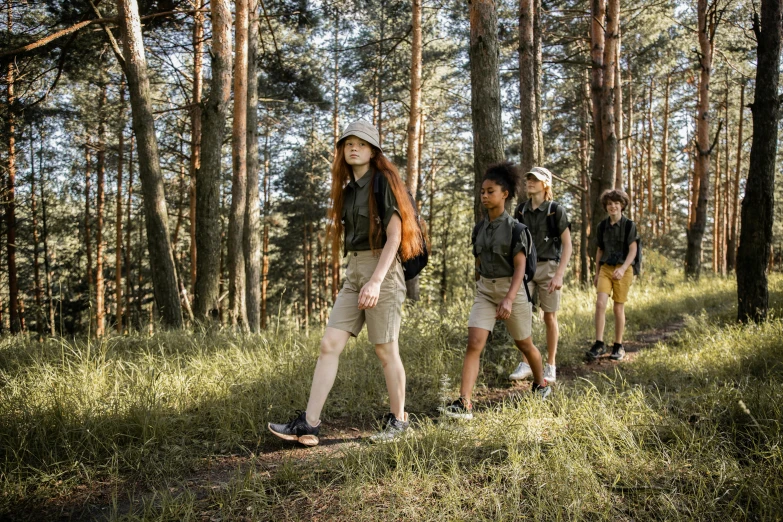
173	426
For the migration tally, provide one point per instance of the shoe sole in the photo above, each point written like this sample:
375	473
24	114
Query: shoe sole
591	357
462	416
307	440
614	358
513	377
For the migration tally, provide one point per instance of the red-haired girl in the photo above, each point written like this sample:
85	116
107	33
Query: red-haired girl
374	287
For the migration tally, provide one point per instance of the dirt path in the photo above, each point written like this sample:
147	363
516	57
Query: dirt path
217	472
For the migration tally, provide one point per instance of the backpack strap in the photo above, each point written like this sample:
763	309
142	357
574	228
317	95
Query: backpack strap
626	244
516	236
551	225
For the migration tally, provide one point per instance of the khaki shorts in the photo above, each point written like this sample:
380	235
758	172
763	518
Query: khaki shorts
545	272
383	320
617	289
489	293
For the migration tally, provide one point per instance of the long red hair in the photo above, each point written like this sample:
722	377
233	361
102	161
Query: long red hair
412	242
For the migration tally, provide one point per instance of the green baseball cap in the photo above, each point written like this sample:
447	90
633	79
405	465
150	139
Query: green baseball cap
365	130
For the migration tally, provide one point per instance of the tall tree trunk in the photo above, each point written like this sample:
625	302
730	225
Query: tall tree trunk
118	247
629	150
651	210
39	322
731	260
527	85
665	220
213	126
100	308
758	205
88	203
236	217
618	116
184	187
485	94
584	229
128	231
45	233
336	253
695	234
412	172
164	276
716	215
265	240
10	205
537	52
195	130
252	240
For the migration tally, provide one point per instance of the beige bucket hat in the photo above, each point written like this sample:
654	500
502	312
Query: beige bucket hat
365	130
541	174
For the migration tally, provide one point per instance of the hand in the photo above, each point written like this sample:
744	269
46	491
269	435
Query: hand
555	284
618	273
595	281
504	309
368	296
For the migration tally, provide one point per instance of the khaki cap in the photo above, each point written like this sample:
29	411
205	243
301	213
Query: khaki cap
541	174
363	129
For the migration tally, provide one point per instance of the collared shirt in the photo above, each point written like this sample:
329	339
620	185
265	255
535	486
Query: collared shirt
612	241
535	219
356	211
493	244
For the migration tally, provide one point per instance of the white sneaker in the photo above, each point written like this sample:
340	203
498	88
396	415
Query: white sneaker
523	371
549	373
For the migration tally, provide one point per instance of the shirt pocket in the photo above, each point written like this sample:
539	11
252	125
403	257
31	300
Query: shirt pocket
362	222
501	250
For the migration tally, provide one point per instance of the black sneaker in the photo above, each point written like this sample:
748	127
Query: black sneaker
391	428
542	391
595	351
458	410
297	429
618	352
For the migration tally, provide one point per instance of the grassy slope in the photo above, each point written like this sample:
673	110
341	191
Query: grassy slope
690	429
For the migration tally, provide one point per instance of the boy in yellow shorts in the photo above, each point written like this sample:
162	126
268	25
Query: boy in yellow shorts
617	246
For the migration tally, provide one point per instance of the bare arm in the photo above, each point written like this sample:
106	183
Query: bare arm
517	280
620	272
557	282
368	296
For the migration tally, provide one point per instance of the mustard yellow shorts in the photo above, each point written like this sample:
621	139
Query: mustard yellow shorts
545	272
383	320
617	289
489	293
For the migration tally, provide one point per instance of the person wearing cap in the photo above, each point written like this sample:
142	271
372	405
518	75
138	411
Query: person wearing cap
551	230
374	286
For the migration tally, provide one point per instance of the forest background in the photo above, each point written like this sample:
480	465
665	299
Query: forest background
74	185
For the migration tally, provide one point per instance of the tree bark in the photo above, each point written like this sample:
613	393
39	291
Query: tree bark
100	311
128	235
265	240
45	233
665	220
195	131
485	94
629	151
758	205
10	204
118	246
706	17
527	86
164	276
584	229
618	116
88	228
39	322
731	258
651	210
236	216
213	125
412	172
252	240
336	253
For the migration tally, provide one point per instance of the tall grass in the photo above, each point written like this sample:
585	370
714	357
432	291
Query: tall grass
691	429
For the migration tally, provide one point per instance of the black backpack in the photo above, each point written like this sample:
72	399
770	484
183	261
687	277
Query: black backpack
551	224
516	235
416	264
637	261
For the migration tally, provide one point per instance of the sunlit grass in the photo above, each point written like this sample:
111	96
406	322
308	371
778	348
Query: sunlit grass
690	429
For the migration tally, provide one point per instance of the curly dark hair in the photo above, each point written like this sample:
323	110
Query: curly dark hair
505	174
615	195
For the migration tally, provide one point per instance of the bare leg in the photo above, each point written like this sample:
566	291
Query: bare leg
533	357
477	338
552	336
332	345
393	370
600	315
619	322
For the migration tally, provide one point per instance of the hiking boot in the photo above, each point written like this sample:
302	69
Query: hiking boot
550	373
523	371
542	391
618	352
459	409
595	351
391	428
297	429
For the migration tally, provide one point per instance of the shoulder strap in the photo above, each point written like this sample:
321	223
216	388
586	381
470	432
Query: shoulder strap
551	221
516	236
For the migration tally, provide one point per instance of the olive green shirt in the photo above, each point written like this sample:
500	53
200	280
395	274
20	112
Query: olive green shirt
612	241
547	248
356	211
493	244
